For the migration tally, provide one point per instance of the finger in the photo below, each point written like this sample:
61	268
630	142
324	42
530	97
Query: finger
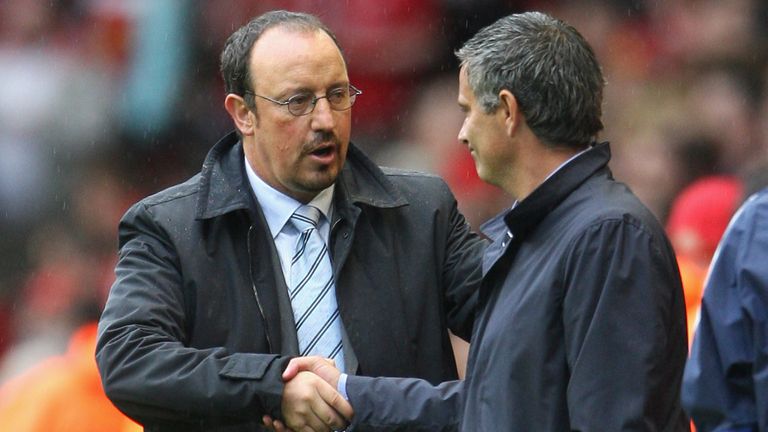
326	415
278	426
275	425
308	421
327	372
326	405
298	364
342	410
303	408
317	423
290	371
267	421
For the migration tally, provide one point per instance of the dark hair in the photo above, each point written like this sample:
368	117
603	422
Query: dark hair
549	68
236	55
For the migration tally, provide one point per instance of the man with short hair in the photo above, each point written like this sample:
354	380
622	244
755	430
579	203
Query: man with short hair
581	319
289	242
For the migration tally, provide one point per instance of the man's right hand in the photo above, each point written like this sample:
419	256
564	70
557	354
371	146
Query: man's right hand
322	367
312	404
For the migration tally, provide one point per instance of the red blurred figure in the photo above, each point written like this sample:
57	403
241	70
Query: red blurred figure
698	218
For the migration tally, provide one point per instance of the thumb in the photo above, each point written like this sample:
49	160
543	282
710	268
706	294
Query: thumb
299	364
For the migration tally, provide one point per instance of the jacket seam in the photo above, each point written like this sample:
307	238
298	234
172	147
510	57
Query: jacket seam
156	200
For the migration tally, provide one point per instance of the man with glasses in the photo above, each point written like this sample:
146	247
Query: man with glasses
289	242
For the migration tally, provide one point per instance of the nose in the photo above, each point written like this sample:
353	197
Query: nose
322	116
463	134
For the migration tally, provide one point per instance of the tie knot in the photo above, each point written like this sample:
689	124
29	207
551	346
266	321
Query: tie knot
305	217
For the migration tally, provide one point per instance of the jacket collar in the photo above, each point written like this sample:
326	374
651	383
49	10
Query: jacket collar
223	187
363	182
534	208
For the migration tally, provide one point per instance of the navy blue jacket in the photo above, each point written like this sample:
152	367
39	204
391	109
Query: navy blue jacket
725	387
580	327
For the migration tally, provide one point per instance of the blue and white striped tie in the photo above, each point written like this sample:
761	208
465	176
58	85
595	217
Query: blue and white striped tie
313	291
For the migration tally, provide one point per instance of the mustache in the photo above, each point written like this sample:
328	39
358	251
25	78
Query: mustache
320	138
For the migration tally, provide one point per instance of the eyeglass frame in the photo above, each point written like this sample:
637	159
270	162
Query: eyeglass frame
354	92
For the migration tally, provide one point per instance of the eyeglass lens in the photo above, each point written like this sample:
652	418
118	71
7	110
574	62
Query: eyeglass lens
340	99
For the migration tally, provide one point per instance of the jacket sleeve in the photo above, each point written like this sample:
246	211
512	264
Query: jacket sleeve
725	386
462	270
624	324
146	369
404	404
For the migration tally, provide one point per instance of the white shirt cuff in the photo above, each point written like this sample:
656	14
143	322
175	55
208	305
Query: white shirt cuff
341	386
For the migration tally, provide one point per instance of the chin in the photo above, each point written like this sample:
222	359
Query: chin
482	175
320	181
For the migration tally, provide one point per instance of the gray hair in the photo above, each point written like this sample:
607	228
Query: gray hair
236	55
549	68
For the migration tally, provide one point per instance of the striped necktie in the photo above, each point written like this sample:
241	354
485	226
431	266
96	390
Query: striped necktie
313	291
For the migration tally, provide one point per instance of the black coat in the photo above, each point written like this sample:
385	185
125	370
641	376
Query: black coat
192	335
580	325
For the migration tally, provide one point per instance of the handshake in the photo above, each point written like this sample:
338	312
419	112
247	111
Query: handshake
311	401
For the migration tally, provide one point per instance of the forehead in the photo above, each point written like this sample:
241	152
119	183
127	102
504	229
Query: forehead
466	96
288	57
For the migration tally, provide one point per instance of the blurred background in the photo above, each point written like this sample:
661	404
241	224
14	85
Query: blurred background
103	102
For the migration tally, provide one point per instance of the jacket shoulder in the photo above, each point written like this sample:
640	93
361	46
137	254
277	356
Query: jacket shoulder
415	180
609	199
173	193
420	188
754	208
171	205
603	204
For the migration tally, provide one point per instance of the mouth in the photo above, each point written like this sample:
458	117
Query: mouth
324	153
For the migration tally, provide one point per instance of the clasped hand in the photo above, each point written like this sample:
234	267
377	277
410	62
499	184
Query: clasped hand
310	400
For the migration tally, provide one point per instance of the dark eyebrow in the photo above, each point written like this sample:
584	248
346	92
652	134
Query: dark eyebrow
338	85
285	95
306	90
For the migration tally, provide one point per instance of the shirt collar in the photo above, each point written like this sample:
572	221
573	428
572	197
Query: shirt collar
567	162
278	207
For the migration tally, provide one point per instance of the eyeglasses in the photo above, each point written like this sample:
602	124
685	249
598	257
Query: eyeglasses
339	99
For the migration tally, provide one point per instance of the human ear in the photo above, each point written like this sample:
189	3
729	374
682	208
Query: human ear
242	116
509	110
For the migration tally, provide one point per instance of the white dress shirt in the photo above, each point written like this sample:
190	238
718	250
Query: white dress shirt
278	208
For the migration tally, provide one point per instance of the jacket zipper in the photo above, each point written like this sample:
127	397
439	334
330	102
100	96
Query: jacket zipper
255	293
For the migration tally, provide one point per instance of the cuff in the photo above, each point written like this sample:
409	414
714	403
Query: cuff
341	386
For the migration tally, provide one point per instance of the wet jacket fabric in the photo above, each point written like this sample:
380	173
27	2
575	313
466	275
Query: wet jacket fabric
195	331
725	387
581	322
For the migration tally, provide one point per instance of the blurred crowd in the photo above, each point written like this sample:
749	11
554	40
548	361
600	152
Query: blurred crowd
106	101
